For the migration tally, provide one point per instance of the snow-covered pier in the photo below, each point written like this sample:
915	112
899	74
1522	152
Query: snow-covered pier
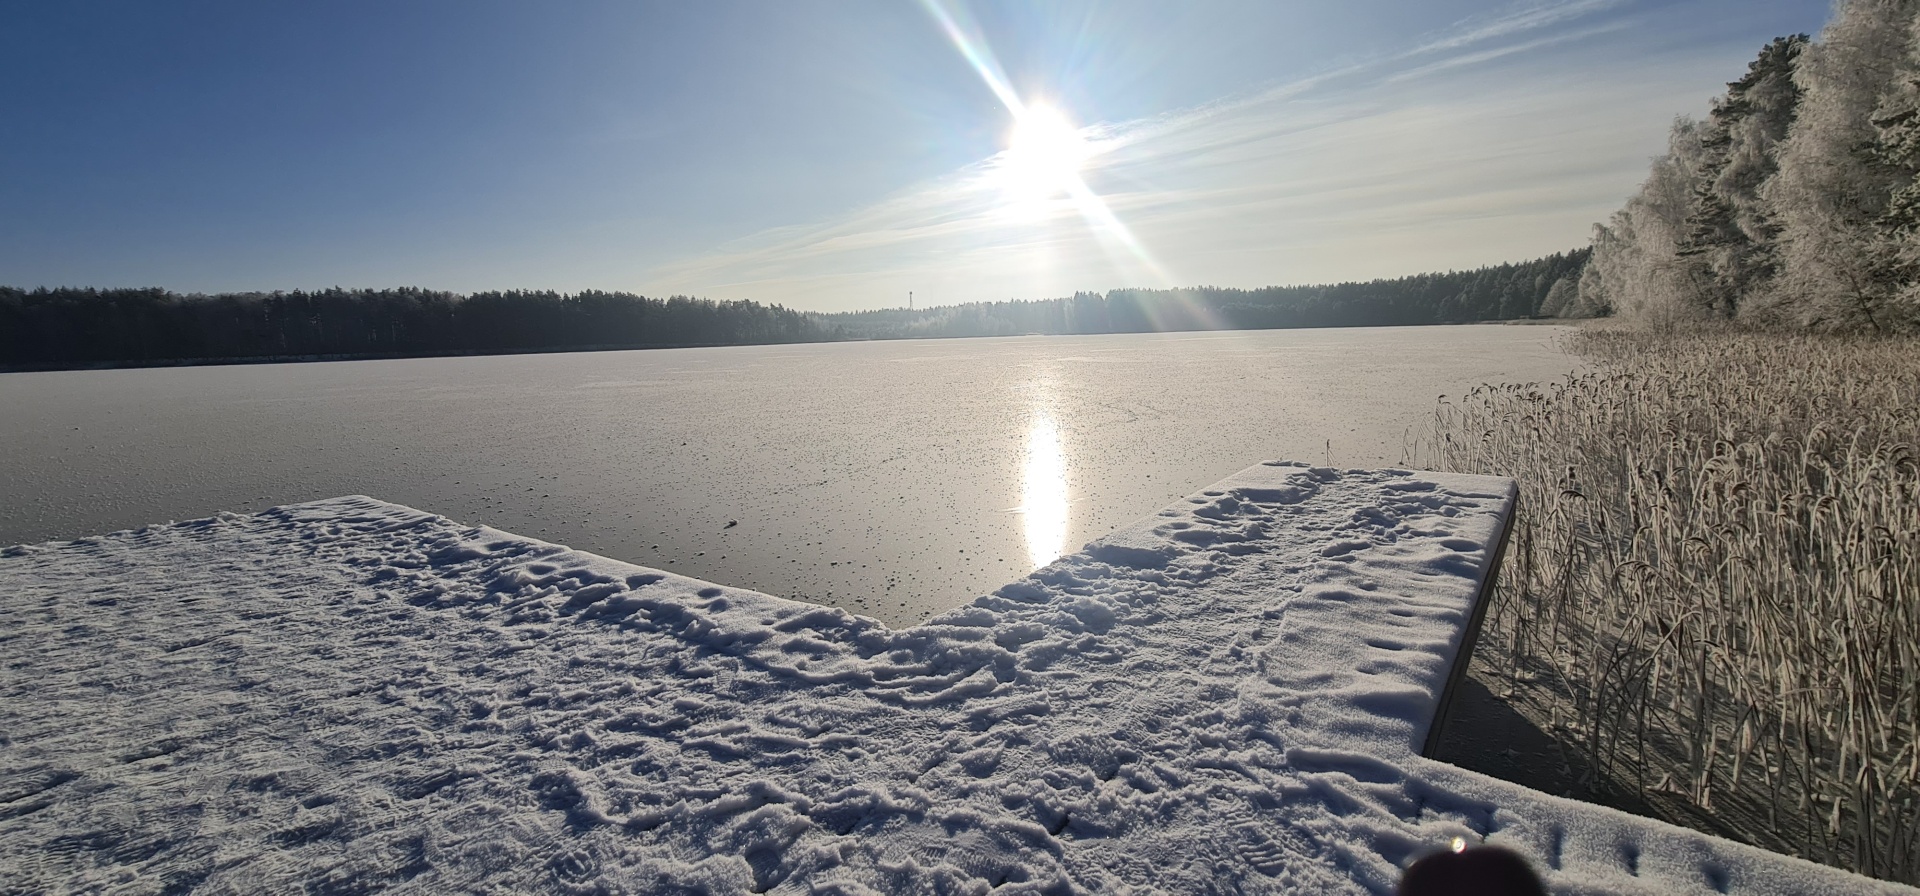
349	695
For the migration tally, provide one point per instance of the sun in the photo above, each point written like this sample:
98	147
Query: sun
1044	156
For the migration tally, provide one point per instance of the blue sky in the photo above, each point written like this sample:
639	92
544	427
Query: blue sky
835	154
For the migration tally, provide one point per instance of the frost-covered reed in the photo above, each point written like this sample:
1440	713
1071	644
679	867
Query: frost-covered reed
1714	590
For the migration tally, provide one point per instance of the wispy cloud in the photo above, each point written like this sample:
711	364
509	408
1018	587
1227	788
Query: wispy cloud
1522	19
1479	57
1428	158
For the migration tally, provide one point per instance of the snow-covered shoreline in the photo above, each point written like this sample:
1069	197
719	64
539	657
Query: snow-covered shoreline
350	695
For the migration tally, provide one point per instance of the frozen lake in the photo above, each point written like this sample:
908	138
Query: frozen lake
895	479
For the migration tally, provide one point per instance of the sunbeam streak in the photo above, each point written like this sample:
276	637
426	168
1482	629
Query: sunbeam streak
973	47
1045	153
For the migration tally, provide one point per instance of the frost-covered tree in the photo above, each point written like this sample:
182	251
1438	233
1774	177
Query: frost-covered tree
1561	299
1636	269
1835	184
1895	259
1731	235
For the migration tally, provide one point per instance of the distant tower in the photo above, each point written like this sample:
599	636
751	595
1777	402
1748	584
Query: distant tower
909	300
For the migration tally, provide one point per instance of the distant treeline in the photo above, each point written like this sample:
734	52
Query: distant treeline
1545	287
72	327
66	327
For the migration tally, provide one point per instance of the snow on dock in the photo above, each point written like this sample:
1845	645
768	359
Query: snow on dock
348	696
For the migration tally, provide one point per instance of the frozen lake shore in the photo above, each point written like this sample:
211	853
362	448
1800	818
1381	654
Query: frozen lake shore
350	695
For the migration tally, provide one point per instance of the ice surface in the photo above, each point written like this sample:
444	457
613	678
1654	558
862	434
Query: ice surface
349	695
888	478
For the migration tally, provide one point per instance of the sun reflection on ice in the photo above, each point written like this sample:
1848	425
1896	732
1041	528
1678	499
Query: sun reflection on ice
1043	492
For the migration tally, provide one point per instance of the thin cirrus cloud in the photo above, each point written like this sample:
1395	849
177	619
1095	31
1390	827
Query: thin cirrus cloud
1527	19
1501	139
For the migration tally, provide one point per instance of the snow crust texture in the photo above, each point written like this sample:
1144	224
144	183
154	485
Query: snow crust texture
350	696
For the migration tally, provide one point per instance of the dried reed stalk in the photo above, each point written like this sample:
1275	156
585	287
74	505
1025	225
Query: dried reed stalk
1716	587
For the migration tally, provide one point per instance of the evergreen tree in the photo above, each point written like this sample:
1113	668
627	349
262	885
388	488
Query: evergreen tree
1731	235
1895	259
1833	188
66	327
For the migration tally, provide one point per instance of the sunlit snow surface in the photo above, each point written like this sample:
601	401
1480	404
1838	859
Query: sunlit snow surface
350	695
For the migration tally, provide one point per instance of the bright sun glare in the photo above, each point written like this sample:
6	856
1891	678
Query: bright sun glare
1043	156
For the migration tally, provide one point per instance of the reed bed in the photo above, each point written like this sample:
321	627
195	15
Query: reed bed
1713	593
